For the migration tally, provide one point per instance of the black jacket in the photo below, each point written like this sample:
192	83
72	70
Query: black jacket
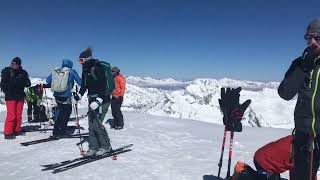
96	86
13	83
307	85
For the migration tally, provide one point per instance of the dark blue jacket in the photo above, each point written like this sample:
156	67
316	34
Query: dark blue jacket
13	82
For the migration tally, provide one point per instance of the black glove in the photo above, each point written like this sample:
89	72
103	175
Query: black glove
76	96
231	109
309	56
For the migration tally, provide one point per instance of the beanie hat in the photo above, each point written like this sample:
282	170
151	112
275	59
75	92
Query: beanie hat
314	26
17	60
87	54
115	69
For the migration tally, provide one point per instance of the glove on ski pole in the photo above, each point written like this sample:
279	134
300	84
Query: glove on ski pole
231	108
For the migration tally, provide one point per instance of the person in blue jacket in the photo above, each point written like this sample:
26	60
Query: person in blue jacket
63	98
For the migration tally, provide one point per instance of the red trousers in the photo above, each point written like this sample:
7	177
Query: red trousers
14	116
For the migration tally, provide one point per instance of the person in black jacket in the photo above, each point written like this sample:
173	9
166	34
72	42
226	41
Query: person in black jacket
94	80
13	81
302	79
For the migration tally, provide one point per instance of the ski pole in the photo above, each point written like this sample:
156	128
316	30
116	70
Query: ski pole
82	141
230	154
222	150
78	125
48	111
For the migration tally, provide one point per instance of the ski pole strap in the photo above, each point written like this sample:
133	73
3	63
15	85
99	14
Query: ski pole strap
93	95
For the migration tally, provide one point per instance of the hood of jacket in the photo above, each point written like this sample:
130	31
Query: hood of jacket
67	63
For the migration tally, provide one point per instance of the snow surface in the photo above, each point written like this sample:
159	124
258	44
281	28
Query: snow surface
164	149
182	142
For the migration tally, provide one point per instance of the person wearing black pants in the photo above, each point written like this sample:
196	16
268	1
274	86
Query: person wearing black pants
302	79
303	145
62	88
64	112
34	98
32	106
116	103
117	98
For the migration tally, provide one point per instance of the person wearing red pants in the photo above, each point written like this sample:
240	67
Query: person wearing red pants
270	160
13	81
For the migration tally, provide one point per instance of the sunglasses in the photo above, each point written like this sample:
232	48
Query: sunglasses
14	64
82	60
309	37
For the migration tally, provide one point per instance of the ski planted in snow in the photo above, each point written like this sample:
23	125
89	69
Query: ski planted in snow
64	163
52	139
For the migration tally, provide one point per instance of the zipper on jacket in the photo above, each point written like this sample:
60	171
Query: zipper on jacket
310	81
312	103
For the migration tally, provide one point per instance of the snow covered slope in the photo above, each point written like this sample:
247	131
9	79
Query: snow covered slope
164	149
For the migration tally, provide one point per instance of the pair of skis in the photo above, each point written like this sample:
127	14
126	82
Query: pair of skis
69	164
38	141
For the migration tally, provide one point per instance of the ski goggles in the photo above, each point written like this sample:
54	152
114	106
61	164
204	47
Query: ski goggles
308	37
82	60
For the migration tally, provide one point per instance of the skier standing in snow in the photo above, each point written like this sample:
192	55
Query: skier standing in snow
117	98
302	78
13	81
34	99
94	80
62	81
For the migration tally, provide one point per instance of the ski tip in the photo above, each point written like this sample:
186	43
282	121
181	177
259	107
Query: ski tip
45	169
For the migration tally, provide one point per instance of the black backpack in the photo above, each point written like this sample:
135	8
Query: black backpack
41	115
107	72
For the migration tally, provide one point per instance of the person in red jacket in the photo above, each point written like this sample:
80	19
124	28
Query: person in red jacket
117	98
13	81
270	160
275	158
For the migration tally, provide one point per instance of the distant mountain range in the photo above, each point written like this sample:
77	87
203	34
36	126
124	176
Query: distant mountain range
198	100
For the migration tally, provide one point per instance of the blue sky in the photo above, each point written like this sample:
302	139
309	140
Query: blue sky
182	39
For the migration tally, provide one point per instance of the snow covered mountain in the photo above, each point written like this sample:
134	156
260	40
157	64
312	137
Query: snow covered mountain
198	100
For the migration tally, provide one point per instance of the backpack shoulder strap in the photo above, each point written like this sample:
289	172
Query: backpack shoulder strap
93	74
